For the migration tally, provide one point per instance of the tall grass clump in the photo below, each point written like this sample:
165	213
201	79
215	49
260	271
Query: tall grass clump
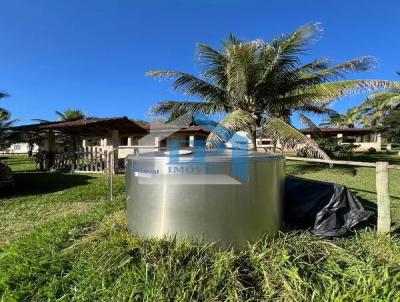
103	261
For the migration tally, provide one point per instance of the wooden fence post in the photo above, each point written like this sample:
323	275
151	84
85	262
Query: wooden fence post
383	198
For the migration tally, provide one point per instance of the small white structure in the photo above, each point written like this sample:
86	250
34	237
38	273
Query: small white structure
240	140
19	148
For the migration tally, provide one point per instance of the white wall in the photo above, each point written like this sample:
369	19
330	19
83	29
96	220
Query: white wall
363	147
19	148
238	141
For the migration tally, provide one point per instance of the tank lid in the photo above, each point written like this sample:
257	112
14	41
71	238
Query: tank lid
210	155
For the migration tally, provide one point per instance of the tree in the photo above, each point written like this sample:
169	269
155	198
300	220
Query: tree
378	105
259	82
71	115
5	122
6	135
4	114
390	128
67	116
337	120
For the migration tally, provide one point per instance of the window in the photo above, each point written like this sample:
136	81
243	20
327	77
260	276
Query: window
264	142
124	141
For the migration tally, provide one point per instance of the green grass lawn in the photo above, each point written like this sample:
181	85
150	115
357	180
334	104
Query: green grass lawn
392	157
60	240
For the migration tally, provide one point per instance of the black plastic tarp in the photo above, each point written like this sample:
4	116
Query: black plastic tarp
328	209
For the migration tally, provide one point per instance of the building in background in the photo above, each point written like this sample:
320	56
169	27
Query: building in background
364	138
87	144
19	148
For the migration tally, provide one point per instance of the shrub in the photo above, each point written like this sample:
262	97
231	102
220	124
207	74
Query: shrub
335	148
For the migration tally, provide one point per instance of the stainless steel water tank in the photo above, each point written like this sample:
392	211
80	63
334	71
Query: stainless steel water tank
202	198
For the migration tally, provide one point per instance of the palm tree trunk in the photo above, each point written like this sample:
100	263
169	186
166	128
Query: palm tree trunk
30	149
254	139
274	144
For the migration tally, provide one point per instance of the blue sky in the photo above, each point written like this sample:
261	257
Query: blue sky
92	55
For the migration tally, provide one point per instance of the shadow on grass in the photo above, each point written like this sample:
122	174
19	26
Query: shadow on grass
371	206
367	204
35	183
297	169
391	157
396	231
354	190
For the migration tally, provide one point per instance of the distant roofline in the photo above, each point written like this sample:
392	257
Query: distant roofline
169	127
338	130
121	123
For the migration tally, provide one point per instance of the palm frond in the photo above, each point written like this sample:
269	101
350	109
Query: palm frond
335	119
242	70
330	91
386	98
309	75
364	63
238	120
5	124
373	110
71	115
231	40
4	114
282	55
41	121
170	107
3	94
313	107
60	115
213	64
316	65
310	124
292	138
298	41
190	85
8	124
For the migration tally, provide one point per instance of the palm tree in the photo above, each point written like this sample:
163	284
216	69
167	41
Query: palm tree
71	115
259	84
68	115
5	122
378	105
4	114
338	120
334	120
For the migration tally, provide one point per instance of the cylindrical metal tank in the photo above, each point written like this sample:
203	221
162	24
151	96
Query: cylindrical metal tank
230	198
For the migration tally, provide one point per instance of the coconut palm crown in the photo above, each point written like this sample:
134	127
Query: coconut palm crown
378	105
338	120
71	115
5	123
4	114
259	82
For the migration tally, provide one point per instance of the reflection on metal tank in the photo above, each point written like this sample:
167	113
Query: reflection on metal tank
202	198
